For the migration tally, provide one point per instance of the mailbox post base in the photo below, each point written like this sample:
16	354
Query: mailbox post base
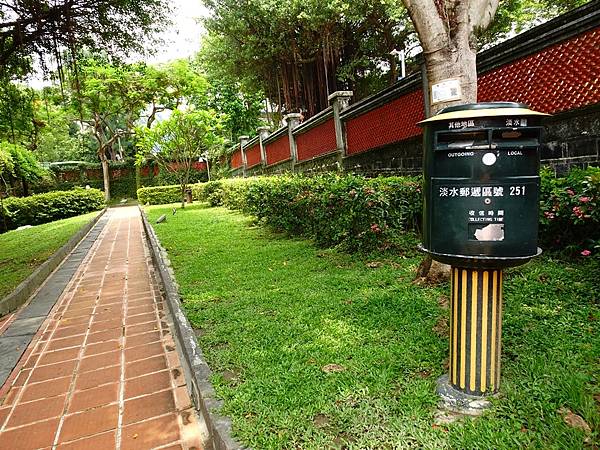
475	330
457	401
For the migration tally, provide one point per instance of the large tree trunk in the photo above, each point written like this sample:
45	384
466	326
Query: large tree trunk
106	177
457	63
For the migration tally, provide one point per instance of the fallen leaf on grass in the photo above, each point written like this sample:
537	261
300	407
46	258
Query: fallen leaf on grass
374	264
574	420
333	368
443	301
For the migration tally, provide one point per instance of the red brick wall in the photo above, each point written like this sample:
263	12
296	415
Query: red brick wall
559	78
316	141
392	122
236	159
278	150
253	155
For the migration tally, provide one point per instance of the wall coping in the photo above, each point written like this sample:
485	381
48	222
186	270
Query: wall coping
251	143
276	135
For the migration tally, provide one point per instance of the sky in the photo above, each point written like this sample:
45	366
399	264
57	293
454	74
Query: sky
183	38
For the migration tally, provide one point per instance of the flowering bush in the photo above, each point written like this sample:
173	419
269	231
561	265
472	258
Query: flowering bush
349	211
570	211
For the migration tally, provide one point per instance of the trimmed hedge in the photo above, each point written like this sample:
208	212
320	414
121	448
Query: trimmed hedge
43	208
160	195
363	214
359	213
349	211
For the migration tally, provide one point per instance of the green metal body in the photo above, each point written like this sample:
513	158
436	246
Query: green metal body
481	186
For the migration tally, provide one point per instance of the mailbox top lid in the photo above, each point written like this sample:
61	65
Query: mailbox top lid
488	109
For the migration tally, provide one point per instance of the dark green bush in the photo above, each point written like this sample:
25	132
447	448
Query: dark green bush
43	208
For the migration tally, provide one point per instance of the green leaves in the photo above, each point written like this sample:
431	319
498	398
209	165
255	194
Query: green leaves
16	162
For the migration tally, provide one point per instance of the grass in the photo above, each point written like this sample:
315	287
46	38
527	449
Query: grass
21	252
273	312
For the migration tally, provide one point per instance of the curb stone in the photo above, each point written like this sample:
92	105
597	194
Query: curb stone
27	287
196	370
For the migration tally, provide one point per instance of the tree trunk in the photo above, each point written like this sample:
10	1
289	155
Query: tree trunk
25	187
459	63
106	177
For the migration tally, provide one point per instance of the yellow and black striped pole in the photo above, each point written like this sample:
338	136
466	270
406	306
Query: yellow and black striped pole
475	330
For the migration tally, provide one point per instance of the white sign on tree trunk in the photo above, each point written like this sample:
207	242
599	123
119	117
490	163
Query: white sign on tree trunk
446	91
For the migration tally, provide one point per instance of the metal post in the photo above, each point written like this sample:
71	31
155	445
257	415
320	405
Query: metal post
475	338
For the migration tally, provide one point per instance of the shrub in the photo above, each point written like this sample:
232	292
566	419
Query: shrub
43	208
570	211
349	211
159	195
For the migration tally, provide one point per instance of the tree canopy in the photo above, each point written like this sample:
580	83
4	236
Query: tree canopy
49	28
298	52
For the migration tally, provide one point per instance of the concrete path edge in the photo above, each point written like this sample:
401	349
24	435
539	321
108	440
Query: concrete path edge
196	370
28	286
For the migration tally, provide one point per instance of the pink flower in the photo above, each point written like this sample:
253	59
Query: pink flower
584	199
375	228
578	212
586	253
549	215
570	192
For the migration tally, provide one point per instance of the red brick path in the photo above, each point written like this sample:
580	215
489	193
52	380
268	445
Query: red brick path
102	372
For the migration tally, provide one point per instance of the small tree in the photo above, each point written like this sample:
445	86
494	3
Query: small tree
174	144
109	101
18	165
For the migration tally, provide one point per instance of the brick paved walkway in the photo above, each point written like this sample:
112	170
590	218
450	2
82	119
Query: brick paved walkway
102	372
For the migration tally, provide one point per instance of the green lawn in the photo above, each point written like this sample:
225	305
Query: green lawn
273	312
21	252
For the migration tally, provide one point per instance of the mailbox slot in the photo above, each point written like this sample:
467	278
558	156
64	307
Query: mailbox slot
516	137
462	140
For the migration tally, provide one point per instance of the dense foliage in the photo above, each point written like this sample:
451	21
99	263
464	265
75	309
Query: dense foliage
43	208
18	168
298	52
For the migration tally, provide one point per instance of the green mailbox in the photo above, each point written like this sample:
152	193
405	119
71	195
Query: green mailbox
480	215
